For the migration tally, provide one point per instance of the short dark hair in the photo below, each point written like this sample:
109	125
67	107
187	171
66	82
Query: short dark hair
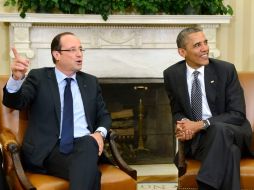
181	38
56	45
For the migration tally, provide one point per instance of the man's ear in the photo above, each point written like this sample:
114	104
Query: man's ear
56	55
182	52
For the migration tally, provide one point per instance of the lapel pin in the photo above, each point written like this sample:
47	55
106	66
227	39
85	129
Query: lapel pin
212	81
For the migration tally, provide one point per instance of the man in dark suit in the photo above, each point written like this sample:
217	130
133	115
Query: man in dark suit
47	146
222	133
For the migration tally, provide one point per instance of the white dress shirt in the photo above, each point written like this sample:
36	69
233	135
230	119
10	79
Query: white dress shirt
206	112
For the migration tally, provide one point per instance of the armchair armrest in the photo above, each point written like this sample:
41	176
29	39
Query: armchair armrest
118	158
181	159
11	146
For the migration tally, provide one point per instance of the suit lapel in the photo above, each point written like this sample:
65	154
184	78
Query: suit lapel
183	87
210	85
55	92
82	83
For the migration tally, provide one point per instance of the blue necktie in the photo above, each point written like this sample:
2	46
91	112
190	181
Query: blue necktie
66	142
196	107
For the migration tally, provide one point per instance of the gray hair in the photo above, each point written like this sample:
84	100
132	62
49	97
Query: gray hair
181	38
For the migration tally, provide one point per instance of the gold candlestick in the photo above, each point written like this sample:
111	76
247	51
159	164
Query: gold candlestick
140	118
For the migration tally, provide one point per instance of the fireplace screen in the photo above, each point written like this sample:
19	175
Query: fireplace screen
141	118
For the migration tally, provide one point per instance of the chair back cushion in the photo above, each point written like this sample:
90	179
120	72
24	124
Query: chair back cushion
247	82
11	119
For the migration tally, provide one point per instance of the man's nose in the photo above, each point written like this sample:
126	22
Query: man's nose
204	47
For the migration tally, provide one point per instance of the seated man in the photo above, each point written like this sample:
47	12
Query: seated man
208	106
67	117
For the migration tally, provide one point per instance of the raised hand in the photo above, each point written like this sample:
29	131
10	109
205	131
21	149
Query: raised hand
19	66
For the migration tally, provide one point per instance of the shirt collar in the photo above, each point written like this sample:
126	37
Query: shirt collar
61	76
191	70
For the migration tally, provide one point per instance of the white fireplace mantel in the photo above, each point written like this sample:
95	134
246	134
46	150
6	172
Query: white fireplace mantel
115	19
124	46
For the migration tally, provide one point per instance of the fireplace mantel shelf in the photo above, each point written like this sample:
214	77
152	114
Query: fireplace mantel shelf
115	19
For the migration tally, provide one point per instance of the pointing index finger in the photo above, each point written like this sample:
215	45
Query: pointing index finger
15	52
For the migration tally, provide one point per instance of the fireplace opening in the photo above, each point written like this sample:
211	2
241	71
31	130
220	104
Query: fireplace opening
142	120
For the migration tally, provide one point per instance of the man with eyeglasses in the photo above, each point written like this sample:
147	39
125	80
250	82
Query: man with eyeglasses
68	119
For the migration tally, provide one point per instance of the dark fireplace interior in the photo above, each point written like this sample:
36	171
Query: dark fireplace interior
142	121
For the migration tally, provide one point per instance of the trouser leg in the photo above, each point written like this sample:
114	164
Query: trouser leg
203	186
218	157
3	182
84	172
79	167
232	175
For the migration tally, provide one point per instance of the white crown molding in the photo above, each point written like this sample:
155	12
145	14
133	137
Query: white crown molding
115	19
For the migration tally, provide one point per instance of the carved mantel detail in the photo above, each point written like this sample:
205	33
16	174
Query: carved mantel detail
125	46
21	38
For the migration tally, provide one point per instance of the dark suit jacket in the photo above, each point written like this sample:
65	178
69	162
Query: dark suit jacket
39	93
223	90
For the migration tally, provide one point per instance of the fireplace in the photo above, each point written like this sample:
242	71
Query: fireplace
142	119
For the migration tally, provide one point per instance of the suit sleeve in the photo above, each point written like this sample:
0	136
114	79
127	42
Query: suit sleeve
103	116
22	98
176	108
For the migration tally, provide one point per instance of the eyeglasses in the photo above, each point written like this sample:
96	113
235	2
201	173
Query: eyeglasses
73	50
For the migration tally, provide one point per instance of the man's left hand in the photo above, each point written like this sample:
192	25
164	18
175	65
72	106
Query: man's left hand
99	139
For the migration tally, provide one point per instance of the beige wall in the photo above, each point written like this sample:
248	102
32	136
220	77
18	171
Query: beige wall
4	41
235	40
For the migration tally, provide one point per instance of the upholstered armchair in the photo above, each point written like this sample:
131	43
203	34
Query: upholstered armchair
13	124
189	168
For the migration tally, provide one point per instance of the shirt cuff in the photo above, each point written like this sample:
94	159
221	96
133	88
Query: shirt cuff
13	85
103	130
